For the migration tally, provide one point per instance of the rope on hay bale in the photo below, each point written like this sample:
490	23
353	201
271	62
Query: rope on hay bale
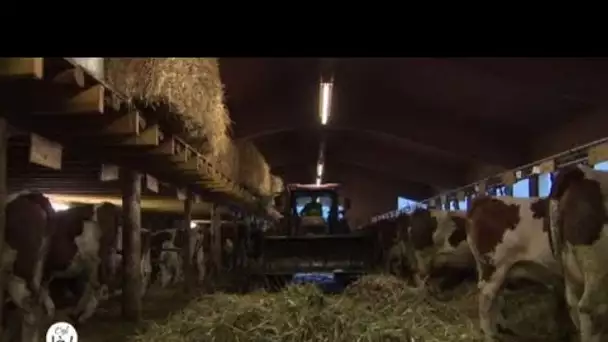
190	87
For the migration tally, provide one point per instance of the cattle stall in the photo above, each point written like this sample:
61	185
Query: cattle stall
88	177
556	179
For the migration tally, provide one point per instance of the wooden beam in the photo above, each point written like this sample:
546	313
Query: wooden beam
192	165
73	76
91	101
151	136
187	250
128	124
216	233
22	68
3	194
131	235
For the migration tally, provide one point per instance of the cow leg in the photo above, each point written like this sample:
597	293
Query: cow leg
47	302
488	310
20	294
200	266
165	275
90	299
592	304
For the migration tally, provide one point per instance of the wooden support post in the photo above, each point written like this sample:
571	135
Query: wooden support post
216	229
131	237
187	250
3	150
533	188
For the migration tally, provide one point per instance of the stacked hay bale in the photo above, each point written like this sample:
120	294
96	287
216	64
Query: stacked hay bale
227	161
190	88
277	185
254	171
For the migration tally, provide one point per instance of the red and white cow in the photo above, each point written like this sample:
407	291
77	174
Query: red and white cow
29	227
438	240
509	238
579	236
81	249
167	257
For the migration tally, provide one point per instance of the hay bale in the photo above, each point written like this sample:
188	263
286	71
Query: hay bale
227	162
254	171
190	87
266	183
277	185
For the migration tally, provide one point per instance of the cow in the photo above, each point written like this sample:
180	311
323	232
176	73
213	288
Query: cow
117	263
389	237
81	248
166	251
166	256
438	242
29	228
509	239
579	240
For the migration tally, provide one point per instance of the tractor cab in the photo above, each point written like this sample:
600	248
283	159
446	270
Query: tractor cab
315	210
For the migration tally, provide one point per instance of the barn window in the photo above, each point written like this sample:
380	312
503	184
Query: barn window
405	203
601	166
544	184
462	205
522	188
452	205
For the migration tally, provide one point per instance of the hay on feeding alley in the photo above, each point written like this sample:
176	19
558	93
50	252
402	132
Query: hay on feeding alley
375	308
190	87
253	169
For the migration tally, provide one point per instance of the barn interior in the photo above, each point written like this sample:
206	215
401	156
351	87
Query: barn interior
435	131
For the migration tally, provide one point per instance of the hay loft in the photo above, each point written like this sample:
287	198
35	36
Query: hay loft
190	87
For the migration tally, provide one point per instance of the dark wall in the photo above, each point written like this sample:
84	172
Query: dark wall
369	197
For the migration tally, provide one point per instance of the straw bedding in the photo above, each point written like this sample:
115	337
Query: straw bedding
376	308
190	87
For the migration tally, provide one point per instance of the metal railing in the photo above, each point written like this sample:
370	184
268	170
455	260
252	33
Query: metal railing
590	153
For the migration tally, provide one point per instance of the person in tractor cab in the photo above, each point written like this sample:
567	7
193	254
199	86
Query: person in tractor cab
311	217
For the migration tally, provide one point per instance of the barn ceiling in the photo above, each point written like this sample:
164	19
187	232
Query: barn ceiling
424	123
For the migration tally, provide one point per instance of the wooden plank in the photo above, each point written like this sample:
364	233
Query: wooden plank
508	178
88	101
547	166
191	166
152	183
166	148
131	235
128	124
45	152
109	172
151	136
3	194
73	76
22	68
181	194
187	250
597	154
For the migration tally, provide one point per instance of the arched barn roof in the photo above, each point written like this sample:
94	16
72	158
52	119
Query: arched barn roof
425	124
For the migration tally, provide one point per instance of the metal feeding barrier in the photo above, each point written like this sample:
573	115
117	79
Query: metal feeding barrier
590	154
